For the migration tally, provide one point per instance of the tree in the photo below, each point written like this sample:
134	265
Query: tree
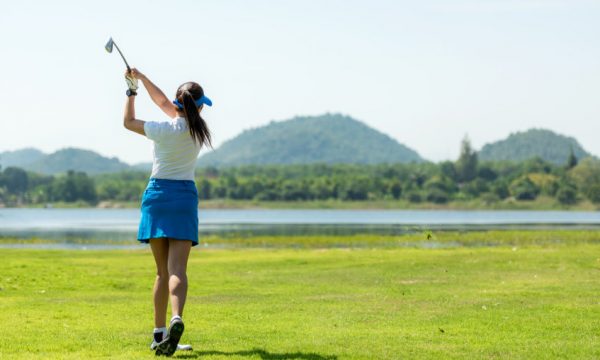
487	173
356	188
293	190
466	166
418	178
500	189
536	165
204	188
219	190
593	193
436	196
524	189
449	170
442	183
572	159
413	196
72	187
566	193
109	190
475	188
15	180
321	188
395	188
587	177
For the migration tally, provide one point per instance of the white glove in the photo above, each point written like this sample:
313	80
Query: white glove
132	83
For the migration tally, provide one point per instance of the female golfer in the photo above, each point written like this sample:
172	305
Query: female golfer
169	219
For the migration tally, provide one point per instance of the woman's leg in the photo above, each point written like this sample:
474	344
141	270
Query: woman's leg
160	250
179	251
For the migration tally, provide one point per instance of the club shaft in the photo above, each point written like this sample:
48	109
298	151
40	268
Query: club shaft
123	57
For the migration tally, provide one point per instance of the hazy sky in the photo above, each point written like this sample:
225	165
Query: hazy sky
425	72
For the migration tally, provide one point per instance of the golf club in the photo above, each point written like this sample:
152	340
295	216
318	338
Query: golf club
109	47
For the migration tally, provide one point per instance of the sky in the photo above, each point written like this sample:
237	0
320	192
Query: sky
426	72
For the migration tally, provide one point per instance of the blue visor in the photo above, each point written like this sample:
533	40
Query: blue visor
204	100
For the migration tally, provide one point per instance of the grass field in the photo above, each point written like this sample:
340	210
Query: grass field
536	295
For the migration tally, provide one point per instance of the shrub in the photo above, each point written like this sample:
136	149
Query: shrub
437	196
524	189
566	194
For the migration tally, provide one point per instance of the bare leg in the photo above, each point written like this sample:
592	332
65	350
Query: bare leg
179	252
160	250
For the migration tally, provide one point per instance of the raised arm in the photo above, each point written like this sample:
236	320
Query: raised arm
129	120
156	94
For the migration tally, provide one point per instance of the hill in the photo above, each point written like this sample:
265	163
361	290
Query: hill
77	159
61	161
329	138
20	157
542	143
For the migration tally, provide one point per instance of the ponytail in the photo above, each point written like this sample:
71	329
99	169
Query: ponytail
187	94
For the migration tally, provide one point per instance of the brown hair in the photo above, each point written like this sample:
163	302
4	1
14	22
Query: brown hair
187	94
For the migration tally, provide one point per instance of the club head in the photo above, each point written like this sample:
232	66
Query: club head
109	45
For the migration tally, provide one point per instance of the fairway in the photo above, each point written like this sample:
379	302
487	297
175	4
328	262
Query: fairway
517	302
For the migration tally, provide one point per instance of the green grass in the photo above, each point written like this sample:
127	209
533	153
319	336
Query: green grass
413	237
536	296
416	239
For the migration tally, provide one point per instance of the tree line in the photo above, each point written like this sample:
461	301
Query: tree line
465	179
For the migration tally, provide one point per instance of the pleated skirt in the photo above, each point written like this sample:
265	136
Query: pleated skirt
169	209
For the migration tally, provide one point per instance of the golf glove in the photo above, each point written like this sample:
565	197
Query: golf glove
132	83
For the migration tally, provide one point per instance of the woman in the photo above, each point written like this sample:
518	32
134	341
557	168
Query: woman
169	220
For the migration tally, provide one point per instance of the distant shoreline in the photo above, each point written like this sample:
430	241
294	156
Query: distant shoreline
542	203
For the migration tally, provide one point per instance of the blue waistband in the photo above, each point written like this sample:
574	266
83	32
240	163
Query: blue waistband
158	181
172	181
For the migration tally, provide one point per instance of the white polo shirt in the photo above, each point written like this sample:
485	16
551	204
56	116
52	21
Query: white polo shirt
174	151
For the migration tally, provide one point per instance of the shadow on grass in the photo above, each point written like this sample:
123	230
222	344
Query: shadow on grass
258	352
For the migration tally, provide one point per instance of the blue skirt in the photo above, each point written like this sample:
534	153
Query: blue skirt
169	209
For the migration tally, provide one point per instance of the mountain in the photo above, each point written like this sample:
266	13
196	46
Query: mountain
20	157
542	143
77	159
61	161
329	138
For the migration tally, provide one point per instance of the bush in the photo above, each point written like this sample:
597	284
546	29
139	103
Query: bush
475	187
437	196
587	177
355	189
489	198
593	193
524	189
414	197
566	194
487	173
266	195
501	190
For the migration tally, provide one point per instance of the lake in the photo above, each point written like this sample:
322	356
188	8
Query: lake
98	227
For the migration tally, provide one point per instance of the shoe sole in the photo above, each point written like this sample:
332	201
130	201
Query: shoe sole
169	345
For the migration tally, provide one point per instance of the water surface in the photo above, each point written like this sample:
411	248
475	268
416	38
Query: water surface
118	227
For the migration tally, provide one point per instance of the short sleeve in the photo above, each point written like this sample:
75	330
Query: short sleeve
156	130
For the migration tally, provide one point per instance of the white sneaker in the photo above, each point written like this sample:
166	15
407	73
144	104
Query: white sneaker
160	335
181	347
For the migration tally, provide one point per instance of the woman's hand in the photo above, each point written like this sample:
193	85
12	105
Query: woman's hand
132	82
137	74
